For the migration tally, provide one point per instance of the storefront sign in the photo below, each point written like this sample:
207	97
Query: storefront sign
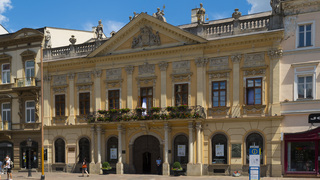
219	150
181	150
314	118
113	153
254	163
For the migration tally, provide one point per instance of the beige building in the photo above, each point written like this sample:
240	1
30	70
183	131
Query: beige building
300	83
200	94
20	96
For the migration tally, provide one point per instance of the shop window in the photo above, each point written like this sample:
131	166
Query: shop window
301	156
5	73
112	150
254	140
60	105
84	103
30	111
60	150
6	148
254	91
181	94
146	97
219	149
84	150
181	149
114	99
219	91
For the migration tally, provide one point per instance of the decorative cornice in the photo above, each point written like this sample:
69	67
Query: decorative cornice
275	53
180	77
236	58
254	71
163	66
129	69
5	56
201	62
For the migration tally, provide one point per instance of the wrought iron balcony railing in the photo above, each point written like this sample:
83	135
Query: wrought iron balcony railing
154	113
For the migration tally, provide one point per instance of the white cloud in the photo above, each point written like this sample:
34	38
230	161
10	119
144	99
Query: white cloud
259	6
109	26
4	6
88	26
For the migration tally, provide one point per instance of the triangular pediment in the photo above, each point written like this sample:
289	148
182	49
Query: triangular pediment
26	32
146	33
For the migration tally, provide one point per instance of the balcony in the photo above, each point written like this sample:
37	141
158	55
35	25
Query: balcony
24	82
142	114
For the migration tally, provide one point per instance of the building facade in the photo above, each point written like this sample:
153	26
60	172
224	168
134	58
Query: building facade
19	97
200	94
300	85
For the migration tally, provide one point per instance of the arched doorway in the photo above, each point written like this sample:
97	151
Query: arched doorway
60	151
112	150
146	150
84	149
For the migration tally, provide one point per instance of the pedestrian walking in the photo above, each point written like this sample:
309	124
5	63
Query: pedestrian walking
84	167
158	161
8	167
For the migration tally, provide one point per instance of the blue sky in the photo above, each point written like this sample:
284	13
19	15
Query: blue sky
83	14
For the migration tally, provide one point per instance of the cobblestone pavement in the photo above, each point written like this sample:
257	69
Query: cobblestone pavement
75	176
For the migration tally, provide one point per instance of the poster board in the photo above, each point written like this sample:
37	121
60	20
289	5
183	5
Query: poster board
182	150
113	153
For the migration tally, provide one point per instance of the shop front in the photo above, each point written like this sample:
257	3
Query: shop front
302	152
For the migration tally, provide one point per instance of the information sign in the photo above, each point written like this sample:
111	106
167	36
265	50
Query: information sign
254	163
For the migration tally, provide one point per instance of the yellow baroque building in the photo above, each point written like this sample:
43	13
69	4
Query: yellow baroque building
200	94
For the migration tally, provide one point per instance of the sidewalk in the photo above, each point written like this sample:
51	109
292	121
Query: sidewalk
72	176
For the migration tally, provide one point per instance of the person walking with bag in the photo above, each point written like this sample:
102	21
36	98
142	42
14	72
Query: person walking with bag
84	167
8	166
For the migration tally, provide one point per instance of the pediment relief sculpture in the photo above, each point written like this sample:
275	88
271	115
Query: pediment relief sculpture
146	38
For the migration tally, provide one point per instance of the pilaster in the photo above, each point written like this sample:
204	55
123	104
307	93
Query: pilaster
71	98
165	165
46	100
129	70
119	164
97	89
163	69
201	79
274	56
236	59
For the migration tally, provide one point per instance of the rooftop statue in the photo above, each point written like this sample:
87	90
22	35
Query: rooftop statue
276	6
47	39
200	14
160	15
134	16
99	30
236	14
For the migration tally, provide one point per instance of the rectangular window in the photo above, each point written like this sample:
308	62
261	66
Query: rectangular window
30	111
5	73
114	99
29	72
219	93
60	105
6	114
305	33
181	94
254	91
146	95
305	87
84	103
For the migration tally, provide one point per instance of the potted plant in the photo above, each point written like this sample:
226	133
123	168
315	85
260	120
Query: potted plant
155	109
106	167
176	168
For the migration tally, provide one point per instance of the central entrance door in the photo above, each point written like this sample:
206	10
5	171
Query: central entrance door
146	150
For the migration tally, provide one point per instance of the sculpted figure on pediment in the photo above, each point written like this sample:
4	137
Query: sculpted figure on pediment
160	15
146	38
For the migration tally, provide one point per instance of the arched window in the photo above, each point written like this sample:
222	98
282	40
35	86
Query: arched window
60	150
112	150
84	150
219	149
181	149
254	140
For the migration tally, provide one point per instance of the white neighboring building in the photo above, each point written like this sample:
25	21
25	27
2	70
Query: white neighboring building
3	30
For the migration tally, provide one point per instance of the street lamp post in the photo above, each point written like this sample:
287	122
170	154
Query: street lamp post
29	145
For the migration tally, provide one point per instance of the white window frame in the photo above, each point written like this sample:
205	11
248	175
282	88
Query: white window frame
5	74
30	109
7	111
297	73
312	34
